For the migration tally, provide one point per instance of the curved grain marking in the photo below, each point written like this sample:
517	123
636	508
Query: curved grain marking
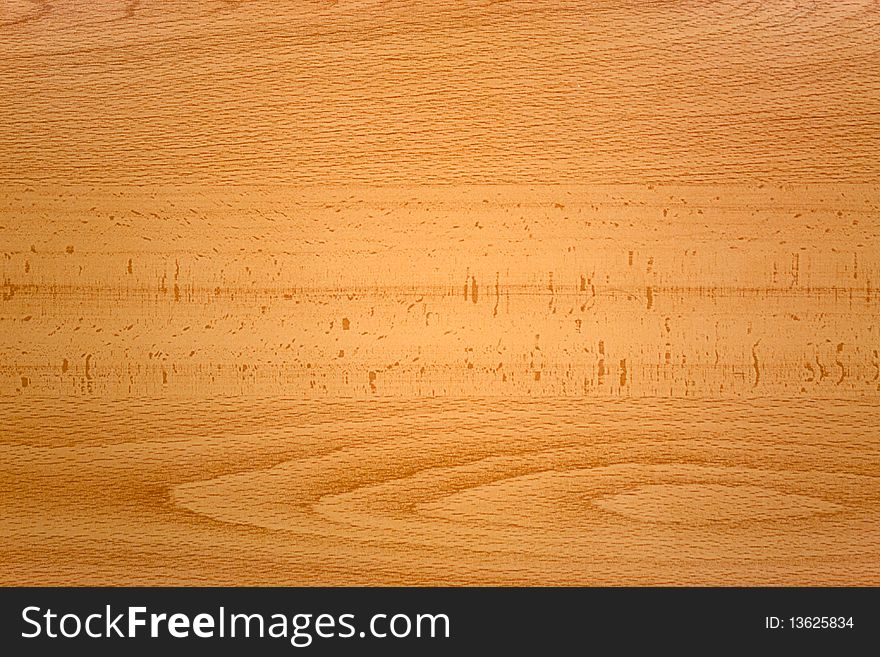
43	8
701	504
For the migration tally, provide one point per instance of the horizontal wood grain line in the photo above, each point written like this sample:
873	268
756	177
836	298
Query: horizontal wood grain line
463	92
545	290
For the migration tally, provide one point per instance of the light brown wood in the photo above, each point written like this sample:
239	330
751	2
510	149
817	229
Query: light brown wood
462	293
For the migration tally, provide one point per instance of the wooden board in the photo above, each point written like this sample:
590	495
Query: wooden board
457	293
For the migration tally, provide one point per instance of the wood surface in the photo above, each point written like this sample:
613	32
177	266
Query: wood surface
440	293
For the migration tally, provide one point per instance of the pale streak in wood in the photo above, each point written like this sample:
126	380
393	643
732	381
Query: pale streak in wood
519	293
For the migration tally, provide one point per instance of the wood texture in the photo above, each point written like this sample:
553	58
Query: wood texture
455	293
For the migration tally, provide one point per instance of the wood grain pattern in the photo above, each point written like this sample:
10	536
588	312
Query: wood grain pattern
463	293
